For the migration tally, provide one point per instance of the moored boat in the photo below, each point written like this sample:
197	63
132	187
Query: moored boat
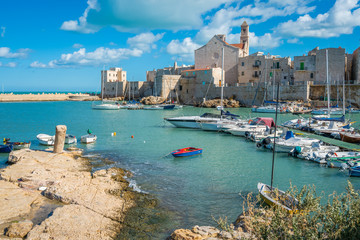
89	138
185	152
17	145
354	171
45	139
70	139
276	197
6	148
350	137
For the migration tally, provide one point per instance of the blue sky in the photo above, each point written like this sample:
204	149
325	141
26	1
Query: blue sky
52	45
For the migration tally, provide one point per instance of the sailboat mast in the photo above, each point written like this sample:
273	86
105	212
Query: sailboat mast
274	146
327	82
102	83
343	98
222	80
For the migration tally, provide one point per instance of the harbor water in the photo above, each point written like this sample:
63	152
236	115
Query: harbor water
192	190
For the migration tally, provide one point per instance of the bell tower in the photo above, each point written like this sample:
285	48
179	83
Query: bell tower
244	37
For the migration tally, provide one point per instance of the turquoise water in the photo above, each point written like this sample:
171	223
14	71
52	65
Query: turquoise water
193	189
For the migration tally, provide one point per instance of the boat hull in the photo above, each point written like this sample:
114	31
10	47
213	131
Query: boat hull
186	152
6	148
90	138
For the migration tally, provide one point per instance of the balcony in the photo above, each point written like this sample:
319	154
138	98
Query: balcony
256	66
301	69
255	75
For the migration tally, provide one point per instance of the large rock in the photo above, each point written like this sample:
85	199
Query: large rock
19	229
75	222
151	100
217	102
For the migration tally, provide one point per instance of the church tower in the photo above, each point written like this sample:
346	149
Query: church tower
244	37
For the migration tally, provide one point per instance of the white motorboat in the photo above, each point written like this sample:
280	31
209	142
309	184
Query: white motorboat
192	121
290	142
70	139
268	109
316	152
342	159
89	138
106	106
257	125
45	139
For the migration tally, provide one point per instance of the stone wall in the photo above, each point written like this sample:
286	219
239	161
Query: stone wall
109	89
210	56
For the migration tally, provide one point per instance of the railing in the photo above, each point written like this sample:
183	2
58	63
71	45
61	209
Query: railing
255	75
256	65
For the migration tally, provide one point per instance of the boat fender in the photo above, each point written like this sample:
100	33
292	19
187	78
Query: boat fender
258	145
247	134
335	154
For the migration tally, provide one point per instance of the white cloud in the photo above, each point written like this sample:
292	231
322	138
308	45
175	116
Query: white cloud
82	25
266	41
82	58
5	52
293	40
184	49
37	64
145	41
9	64
2	31
135	15
77	45
342	18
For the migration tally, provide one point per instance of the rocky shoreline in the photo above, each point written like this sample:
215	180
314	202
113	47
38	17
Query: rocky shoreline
49	195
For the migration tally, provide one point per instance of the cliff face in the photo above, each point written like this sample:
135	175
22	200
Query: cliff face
59	194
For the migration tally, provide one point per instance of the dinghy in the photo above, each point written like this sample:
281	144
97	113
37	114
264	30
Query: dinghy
6	148
17	145
45	139
276	197
185	152
89	138
70	139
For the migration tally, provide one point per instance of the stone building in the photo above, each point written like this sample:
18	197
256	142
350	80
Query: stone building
355	69
210	55
113	82
313	66
266	69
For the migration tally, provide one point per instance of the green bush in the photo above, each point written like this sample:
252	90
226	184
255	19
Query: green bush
339	218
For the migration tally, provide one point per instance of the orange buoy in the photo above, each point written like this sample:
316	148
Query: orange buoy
132	136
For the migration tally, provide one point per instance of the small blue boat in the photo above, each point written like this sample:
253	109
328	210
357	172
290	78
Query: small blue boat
185	152
6	148
354	171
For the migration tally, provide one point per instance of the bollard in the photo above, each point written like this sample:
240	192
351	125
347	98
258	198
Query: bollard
60	138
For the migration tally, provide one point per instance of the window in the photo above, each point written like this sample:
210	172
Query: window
205	72
242	73
259	72
180	87
284	77
187	90
242	64
187	74
311	75
193	73
277	65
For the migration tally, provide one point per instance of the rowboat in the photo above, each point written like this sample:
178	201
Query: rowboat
17	145
45	139
276	197
185	152
6	148
70	139
89	138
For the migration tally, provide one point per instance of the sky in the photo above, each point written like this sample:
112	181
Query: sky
62	45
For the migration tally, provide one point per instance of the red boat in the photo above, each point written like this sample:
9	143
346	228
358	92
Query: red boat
185	152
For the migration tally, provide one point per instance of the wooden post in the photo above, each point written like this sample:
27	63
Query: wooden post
60	138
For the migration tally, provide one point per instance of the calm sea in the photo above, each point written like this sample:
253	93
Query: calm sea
191	189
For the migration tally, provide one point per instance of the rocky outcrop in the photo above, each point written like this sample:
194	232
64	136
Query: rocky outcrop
89	205
208	232
216	102
151	100
19	229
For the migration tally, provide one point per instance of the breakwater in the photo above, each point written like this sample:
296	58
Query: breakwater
39	97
